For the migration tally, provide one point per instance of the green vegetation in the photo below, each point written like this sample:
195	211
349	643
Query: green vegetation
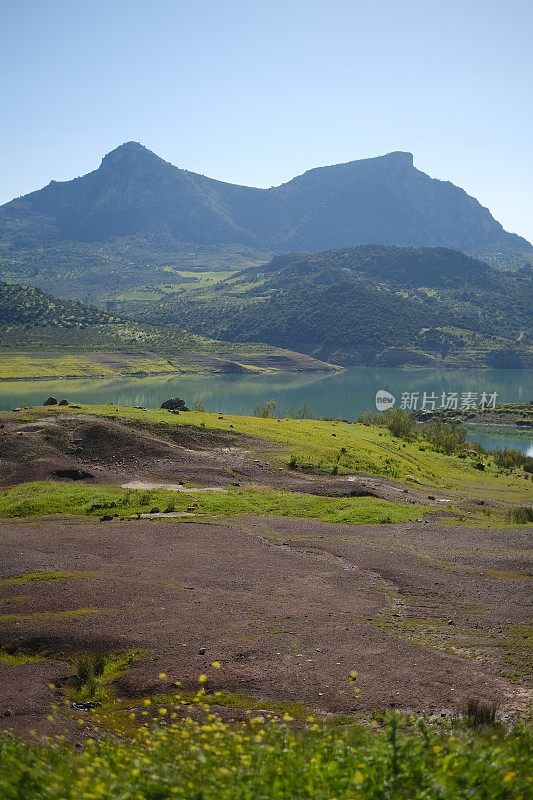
454	310
48	616
43	337
30	577
399	423
25	305
325	446
508	458
266	410
204	757
38	499
92	675
521	514
19	657
447	437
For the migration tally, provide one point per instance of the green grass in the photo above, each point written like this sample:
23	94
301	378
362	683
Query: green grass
42	498
19	658
24	364
50	616
346	448
30	577
92	675
208	759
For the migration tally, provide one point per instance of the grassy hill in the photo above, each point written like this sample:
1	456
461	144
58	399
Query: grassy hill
42	336
370	305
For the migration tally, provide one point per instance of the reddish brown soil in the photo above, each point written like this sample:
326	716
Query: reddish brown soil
118	451
289	607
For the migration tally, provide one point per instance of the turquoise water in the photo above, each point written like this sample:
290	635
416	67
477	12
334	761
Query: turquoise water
344	395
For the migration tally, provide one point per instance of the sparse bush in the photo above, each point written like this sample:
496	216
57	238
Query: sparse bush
199	406
448	437
509	458
398	422
303	412
370	418
521	515
266	410
293	462
87	671
479	715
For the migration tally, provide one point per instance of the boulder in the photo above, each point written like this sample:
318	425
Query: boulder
174	404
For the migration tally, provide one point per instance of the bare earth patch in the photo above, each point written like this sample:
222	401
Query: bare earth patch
289	607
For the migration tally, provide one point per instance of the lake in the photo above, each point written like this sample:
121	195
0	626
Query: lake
344	394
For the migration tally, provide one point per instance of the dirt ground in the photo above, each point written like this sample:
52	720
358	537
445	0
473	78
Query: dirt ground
428	616
99	450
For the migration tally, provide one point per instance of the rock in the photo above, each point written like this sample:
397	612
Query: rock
106	518
51	401
63	403
86	706
74	474
202	651
8	712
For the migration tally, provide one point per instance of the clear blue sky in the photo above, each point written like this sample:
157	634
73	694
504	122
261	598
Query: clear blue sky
258	91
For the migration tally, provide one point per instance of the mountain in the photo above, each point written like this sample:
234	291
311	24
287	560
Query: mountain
369	305
134	193
41	336
25	306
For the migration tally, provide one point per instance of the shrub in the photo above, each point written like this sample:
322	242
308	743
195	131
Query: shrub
266	410
370	418
509	458
398	422
87	670
174	404
521	514
303	412
479	715
447	437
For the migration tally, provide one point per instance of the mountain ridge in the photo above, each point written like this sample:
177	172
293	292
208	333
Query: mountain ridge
379	200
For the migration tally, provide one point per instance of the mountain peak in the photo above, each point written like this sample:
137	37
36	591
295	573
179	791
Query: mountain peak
374	200
129	153
399	157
